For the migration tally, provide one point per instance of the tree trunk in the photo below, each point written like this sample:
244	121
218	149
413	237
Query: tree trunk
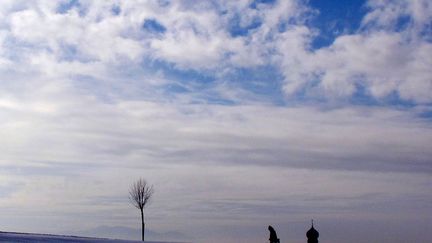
142	224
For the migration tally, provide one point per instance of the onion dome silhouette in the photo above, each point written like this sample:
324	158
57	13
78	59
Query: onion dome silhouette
312	235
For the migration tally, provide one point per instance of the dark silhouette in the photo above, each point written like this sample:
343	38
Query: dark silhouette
273	236
312	235
139	194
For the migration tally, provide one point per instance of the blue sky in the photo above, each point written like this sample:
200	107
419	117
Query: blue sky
336	18
241	113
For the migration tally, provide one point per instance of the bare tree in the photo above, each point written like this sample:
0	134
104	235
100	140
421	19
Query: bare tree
140	194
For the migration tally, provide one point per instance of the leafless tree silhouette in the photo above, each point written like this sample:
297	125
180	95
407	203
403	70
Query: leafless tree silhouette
140	194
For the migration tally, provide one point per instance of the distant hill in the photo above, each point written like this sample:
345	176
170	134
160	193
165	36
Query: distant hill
128	233
30	237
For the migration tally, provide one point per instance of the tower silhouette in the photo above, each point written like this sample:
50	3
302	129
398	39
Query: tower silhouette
273	235
312	235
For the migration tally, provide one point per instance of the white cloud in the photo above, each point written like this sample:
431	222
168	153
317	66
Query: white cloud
378	57
387	13
92	38
382	61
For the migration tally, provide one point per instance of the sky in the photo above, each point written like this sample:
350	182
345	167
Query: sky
242	114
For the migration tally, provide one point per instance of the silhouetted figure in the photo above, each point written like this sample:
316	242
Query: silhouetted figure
273	235
312	235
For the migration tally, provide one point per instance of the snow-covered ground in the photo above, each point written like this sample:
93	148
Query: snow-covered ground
28	237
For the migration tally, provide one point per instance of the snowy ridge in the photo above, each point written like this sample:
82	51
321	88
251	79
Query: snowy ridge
30	237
